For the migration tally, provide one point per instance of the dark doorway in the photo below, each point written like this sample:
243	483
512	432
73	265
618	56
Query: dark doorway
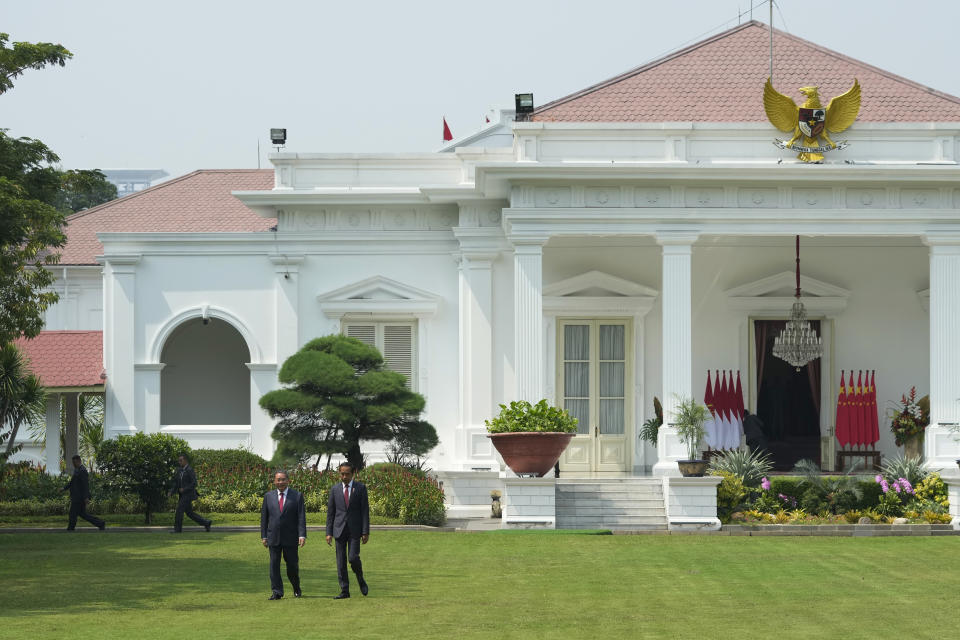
788	401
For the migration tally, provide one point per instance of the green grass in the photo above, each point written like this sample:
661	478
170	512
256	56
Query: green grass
483	585
164	519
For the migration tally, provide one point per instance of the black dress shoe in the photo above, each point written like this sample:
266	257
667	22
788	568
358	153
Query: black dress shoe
341	595
297	593
364	589
102	526
275	596
207	526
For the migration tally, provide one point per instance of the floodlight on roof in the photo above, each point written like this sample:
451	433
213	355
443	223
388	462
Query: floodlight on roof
278	137
524	105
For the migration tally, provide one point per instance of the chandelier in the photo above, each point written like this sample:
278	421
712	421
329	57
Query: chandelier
798	344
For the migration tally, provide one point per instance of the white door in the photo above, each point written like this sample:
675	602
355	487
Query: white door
594	375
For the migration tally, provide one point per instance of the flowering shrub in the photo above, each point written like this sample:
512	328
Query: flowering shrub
932	489
910	418
894	497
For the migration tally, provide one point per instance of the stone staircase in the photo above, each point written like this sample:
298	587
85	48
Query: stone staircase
626	504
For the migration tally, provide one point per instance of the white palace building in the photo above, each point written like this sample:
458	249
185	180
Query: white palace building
612	246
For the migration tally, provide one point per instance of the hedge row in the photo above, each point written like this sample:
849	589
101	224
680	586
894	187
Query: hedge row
394	491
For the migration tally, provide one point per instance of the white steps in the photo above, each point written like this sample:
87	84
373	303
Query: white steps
611	503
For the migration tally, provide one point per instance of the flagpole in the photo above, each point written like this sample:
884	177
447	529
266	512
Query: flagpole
771	41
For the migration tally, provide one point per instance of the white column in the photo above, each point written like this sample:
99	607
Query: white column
528	318
287	295
263	378
941	448
120	344
148	392
52	451
71	427
676	371
476	357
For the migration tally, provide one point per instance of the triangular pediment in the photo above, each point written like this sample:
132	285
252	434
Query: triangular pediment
775	294
597	284
378	295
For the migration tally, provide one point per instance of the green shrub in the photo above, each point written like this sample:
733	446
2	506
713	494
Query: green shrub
730	495
933	489
900	467
814	500
871	492
521	416
890	505
23	481
227	458
749	467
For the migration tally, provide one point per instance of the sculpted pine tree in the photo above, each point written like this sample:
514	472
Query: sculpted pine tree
337	394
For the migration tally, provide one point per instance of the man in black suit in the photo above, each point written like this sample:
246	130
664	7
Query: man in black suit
283	528
185	484
79	487
348	521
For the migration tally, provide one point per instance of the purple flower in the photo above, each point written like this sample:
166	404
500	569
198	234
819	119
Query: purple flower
879	478
765	484
906	485
896	486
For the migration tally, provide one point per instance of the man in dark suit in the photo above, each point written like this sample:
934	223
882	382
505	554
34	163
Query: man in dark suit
283	528
185	484
79	487
348	521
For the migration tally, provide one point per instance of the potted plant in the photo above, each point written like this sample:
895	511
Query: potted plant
531	437
908	421
689	419
650	430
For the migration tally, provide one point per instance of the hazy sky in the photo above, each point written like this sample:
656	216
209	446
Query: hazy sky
184	85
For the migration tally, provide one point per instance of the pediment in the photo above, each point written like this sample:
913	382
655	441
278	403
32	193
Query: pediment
597	284
775	294
378	295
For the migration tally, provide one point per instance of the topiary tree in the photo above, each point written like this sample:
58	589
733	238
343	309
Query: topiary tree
337	395
142	464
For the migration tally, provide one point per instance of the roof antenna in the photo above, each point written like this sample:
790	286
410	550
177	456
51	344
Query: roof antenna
771	41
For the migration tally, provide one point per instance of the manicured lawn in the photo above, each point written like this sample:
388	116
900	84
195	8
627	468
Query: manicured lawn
483	585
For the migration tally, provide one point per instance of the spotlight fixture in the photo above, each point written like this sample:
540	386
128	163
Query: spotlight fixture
524	105
278	137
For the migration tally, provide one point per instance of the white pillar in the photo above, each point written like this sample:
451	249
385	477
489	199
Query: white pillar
941	448
677	368
148	393
71	427
263	378
476	357
287	305
528	318
120	344
52	451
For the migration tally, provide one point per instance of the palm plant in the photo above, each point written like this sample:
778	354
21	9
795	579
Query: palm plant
22	397
835	492
91	433
750	467
902	467
689	419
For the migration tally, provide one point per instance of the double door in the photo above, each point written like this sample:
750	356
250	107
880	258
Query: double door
594	376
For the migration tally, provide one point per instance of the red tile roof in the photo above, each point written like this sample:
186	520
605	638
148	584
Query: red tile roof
721	80
197	202
66	358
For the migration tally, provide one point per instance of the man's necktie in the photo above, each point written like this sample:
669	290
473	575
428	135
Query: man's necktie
346	495
281	502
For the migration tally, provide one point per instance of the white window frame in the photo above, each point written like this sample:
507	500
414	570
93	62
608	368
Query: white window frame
379	326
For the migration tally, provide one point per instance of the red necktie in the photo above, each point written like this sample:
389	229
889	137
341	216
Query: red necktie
281	502
346	495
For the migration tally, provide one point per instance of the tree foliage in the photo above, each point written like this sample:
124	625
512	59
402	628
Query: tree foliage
35	197
22	398
337	394
141	464
23	56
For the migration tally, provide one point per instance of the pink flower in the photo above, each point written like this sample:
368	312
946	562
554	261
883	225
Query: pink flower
765	484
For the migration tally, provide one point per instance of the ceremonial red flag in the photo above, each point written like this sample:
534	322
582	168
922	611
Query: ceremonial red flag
447	136
726	411
858	426
711	424
842	428
874	418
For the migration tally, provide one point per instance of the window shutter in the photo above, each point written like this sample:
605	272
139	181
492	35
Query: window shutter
365	333
398	350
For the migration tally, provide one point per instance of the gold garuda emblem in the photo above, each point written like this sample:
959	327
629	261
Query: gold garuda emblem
811	122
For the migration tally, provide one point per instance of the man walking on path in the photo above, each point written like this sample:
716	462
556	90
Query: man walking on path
185	483
79	487
283	528
348	521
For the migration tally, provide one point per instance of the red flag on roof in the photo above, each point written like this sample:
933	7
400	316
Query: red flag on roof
842	427
447	136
